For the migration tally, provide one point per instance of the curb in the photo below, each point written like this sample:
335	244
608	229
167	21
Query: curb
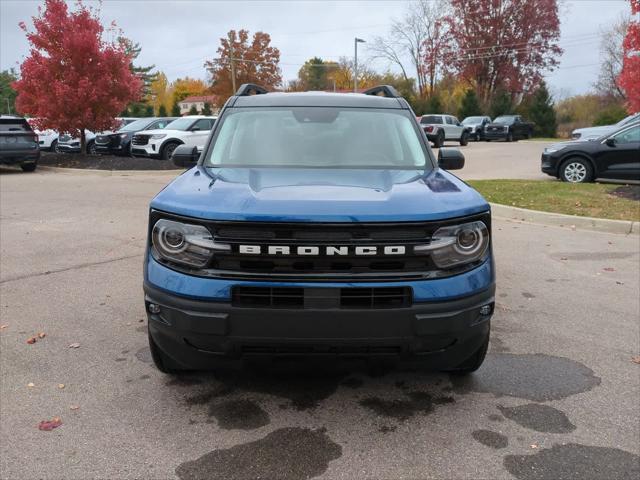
623	227
107	173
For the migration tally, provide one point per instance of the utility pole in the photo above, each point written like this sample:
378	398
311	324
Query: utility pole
356	41
233	65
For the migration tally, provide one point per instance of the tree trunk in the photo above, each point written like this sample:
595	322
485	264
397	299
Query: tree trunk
83	142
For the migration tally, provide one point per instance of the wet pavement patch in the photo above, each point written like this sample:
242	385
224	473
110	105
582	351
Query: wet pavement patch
144	355
304	390
403	409
534	377
206	397
490	439
541	418
630	192
387	429
184	380
574	461
287	453
240	414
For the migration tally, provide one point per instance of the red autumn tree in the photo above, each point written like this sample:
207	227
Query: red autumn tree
73	80
249	62
504	44
629	78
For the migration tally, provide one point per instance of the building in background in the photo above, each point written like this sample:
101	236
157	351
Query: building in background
198	102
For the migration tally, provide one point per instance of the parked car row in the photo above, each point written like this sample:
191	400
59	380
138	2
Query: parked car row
18	143
440	128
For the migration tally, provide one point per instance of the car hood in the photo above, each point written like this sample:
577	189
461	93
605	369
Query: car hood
492	124
563	145
594	132
163	131
318	195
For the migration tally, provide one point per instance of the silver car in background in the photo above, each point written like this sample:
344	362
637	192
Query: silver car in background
591	133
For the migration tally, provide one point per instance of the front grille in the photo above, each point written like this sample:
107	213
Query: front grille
323	267
140	140
321	298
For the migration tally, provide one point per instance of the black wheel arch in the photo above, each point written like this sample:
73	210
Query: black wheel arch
167	141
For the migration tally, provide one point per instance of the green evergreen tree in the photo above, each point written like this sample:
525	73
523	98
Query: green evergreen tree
501	104
162	111
207	109
470	106
193	110
144	73
148	110
175	110
7	93
542	113
433	105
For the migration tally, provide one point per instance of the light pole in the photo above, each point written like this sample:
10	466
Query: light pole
356	41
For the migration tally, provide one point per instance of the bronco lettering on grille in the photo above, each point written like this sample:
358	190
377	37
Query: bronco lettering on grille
312	250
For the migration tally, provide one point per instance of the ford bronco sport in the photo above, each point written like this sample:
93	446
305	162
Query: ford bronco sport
318	224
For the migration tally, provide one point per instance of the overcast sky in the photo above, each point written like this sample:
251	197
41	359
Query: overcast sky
177	36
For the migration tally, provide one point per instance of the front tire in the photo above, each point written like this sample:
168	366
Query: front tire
474	362
439	141
29	167
91	148
160	360
168	150
54	147
576	170
464	139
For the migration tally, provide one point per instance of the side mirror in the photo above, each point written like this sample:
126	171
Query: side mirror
450	159
611	142
185	156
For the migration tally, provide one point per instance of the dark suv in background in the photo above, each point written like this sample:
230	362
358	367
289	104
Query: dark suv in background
18	143
119	143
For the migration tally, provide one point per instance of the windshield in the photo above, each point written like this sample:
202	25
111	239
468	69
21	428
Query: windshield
505	119
629	119
318	137
180	124
472	120
137	125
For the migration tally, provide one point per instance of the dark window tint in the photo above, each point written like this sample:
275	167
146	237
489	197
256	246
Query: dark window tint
450	121
204	124
431	119
14	125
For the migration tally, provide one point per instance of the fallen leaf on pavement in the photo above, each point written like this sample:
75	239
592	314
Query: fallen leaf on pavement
2	327
61	386
31	340
564	258
31	385
534	445
609	269
619	283
74	407
636	359
74	345
42	335
48	425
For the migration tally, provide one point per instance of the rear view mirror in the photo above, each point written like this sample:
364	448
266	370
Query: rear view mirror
450	159
185	156
610	142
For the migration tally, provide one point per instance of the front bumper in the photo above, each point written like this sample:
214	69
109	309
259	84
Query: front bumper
496	135
151	150
442	327
69	147
549	165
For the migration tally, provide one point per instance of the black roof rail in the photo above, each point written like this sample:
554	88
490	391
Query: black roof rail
383	91
247	89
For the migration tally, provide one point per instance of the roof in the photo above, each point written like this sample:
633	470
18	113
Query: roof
200	98
317	99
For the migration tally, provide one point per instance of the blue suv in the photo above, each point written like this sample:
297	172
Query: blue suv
318	224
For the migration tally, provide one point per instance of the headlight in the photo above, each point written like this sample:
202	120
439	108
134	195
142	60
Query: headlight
158	136
183	243
554	148
457	244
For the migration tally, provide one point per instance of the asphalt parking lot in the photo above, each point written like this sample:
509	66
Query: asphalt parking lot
556	398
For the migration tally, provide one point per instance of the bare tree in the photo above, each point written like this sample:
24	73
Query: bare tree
611	57
418	37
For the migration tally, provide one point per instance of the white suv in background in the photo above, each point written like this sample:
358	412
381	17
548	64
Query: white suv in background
439	128
190	130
